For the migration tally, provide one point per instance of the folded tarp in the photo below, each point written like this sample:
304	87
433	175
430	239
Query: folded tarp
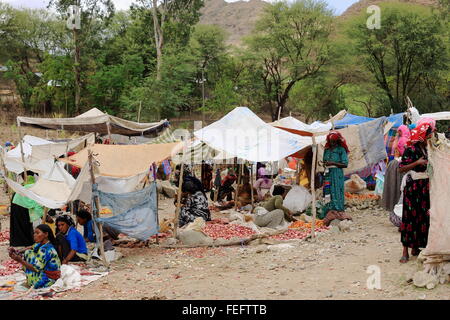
95	121
439	171
135	213
125	160
242	134
366	144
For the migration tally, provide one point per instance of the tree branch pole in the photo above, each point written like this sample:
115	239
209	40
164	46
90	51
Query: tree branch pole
313	187
251	184
241	166
139	112
108	126
21	151
177	210
96	212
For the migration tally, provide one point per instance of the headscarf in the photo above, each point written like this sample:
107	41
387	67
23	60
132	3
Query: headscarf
65	218
430	121
419	134
336	136
403	140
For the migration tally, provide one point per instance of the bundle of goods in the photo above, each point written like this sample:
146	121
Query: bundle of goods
362	201
4	236
9	267
227	231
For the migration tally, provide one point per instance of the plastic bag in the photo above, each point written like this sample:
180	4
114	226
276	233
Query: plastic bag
379	186
355	184
297	199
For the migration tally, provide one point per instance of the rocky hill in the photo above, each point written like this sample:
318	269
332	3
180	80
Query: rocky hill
362	5
237	18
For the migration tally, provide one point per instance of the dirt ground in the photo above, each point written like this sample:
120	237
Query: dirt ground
333	267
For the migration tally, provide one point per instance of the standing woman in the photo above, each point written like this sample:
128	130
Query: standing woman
403	138
40	262
416	193
334	159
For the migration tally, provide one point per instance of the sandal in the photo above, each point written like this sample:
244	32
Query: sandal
404	259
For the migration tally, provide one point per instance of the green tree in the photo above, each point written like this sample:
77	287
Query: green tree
406	56
291	43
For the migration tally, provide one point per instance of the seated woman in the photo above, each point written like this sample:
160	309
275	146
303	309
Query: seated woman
195	204
263	186
273	212
84	218
71	245
245	193
226	189
41	262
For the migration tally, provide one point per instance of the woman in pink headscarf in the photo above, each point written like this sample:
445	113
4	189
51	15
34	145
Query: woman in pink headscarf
403	138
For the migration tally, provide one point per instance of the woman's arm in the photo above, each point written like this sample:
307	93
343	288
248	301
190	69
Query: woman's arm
20	260
411	166
69	257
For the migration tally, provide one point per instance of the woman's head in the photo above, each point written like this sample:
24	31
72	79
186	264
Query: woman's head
43	233
63	223
403	131
278	191
335	138
83	217
231	172
421	133
189	187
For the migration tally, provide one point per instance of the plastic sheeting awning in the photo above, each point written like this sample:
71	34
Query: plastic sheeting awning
125	160
242	134
95	121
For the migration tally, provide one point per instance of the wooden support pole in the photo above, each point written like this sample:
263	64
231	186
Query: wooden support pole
44	217
240	168
313	189
96	212
21	152
108	126
251	184
177	210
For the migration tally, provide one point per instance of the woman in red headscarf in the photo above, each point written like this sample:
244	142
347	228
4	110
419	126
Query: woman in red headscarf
334	159
416	193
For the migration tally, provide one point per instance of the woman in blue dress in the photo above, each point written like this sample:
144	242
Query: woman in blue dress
40	262
335	159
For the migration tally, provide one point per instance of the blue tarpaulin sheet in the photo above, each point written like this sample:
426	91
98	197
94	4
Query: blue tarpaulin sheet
135	213
351	119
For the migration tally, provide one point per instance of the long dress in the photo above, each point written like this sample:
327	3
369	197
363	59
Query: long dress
196	207
21	228
334	180
43	258
416	203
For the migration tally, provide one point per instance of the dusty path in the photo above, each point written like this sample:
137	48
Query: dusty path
332	268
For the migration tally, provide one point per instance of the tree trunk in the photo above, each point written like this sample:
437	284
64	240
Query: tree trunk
77	72
159	38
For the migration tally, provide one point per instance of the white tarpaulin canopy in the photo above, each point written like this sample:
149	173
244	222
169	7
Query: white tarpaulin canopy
39	153
445	115
95	121
242	134
292	123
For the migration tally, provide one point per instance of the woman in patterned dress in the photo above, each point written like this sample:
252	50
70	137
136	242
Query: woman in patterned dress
195	204
334	159
416	193
40	262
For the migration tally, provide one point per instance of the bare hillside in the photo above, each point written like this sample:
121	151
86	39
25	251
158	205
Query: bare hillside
237	18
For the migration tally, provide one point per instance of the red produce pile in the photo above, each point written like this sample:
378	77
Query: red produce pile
227	231
11	267
296	234
4	236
